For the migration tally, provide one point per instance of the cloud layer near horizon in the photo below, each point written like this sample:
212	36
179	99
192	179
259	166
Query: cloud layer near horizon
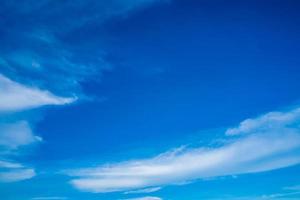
268	142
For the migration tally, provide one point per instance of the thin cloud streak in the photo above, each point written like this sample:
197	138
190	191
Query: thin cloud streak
146	190
144	198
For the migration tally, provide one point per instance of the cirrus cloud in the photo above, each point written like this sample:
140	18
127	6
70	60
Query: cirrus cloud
271	143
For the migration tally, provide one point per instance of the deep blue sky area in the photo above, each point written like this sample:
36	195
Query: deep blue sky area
157	84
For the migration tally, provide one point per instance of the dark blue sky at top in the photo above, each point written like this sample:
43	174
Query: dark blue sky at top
178	73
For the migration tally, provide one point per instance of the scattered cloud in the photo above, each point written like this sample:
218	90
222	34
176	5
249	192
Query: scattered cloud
272	142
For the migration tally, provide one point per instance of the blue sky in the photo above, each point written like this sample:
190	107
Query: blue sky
149	100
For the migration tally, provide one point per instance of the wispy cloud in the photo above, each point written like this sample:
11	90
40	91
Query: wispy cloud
272	120
280	196
267	146
146	190
14	135
11	172
15	96
145	198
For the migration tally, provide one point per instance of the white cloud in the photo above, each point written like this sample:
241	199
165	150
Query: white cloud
6	164
14	135
266	122
17	175
11	172
272	142
15	96
145	198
